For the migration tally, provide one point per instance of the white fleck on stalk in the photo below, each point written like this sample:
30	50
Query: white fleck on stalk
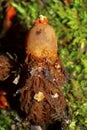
55	95
39	96
16	80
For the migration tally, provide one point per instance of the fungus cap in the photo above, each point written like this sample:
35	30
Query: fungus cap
41	42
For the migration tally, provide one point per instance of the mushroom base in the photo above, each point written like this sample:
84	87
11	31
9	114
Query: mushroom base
41	97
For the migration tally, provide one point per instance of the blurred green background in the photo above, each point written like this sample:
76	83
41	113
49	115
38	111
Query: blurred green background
69	19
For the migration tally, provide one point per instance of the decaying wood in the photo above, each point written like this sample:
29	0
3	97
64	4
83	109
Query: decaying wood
5	67
9	68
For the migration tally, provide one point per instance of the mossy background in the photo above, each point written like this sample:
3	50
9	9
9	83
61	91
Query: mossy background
69	19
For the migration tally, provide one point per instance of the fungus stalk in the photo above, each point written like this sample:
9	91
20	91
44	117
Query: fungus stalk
41	96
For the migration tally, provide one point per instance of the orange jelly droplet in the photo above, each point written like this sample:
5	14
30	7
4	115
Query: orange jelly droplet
10	12
3	100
